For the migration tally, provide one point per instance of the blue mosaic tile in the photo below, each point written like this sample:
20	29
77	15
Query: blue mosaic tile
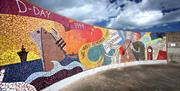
21	71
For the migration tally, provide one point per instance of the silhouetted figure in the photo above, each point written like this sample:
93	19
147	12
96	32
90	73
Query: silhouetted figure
23	54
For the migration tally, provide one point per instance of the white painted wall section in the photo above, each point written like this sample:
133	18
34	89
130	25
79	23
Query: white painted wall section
61	84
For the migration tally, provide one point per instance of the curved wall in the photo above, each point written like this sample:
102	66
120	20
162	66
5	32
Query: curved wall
37	42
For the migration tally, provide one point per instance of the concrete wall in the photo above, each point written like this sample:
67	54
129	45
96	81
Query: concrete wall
173	46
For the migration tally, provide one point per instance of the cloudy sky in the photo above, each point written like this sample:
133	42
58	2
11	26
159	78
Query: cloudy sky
137	15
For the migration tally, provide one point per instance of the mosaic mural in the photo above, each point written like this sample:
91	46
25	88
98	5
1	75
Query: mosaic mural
39	48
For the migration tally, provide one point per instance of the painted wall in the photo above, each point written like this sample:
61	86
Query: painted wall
40	48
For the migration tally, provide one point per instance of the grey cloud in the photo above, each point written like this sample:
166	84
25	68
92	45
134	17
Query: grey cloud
142	8
56	5
159	4
171	17
91	11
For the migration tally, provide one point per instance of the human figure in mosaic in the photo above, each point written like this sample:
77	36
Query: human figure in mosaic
138	47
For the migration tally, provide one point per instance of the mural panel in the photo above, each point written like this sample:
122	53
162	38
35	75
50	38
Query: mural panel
39	48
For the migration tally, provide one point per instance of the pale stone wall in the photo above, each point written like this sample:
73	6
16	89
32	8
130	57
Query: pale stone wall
173	46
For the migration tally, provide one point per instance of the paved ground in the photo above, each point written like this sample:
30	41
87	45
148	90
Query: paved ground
137	78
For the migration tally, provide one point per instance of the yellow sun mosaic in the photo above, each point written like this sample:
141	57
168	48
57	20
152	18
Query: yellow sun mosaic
14	32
